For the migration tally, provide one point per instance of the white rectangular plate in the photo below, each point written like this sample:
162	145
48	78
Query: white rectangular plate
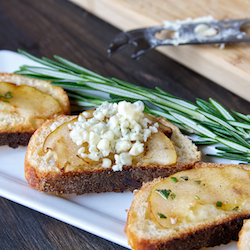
101	214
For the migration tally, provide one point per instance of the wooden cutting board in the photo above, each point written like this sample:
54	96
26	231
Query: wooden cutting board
229	67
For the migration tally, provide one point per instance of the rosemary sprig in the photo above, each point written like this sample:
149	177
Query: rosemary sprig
209	120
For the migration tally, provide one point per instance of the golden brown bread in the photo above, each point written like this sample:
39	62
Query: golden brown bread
19	117
143	233
45	176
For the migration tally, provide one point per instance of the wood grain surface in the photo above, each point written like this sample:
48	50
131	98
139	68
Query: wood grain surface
49	27
229	67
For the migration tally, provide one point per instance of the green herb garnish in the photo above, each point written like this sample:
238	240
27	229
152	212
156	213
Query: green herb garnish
197	197
198	182
7	95
210	121
218	204
174	179
163	192
184	178
172	196
236	208
162	216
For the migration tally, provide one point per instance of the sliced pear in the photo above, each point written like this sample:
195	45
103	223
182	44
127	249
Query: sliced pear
159	149
29	102
64	150
198	195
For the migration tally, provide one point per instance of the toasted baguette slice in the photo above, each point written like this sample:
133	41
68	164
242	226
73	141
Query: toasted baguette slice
244	236
28	107
43	174
206	210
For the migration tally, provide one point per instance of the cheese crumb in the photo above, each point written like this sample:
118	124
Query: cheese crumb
106	163
200	29
117	128
173	220
205	30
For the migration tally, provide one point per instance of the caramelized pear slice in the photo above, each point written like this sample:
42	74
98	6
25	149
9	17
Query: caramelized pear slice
29	102
199	195
159	150
65	151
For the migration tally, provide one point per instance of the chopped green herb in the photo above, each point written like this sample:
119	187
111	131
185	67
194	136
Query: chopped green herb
174	179
218	204
204	184
236	208
198	182
184	178
8	95
197	197
5	101
163	192
172	196
162	216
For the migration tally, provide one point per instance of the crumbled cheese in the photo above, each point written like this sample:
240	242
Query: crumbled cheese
118	128
202	30
176	25
173	220
137	148
240	36
125	159
106	163
117	167
205	30
85	114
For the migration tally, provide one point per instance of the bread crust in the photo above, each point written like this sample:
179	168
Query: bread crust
99	180
209	236
93	180
204	235
15	134
13	140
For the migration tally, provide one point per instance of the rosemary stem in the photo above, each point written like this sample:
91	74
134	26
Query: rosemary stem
210	121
